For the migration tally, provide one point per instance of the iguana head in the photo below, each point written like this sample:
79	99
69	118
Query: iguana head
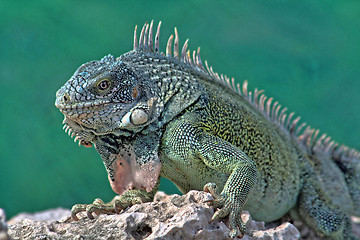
105	96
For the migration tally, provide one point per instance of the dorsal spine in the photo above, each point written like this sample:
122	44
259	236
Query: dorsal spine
273	111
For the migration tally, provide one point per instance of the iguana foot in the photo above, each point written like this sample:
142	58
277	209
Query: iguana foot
226	206
97	207
100	207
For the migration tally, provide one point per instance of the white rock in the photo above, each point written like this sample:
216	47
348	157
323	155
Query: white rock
168	217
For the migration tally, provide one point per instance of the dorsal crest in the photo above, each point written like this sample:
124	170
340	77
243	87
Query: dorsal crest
147	43
271	109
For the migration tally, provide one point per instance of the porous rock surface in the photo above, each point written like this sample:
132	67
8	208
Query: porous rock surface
168	217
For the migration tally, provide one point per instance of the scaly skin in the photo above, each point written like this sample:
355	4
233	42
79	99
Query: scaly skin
150	115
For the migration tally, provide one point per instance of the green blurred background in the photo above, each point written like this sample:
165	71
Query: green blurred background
304	53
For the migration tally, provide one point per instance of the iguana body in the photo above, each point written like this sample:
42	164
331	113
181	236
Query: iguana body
151	114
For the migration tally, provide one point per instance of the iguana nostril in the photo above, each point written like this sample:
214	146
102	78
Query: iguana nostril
66	98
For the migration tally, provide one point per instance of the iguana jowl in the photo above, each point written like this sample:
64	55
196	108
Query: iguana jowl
150	114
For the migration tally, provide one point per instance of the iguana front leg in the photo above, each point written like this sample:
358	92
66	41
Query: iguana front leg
119	203
224	157
186	142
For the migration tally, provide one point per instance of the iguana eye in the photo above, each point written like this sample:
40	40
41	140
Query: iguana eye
103	84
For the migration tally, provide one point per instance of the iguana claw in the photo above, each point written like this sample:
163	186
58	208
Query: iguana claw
118	204
217	200
226	207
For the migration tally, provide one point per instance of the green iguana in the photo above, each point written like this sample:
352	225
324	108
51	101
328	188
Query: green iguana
151	114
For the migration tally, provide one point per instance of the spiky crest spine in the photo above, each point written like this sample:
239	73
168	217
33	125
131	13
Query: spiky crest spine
273	111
